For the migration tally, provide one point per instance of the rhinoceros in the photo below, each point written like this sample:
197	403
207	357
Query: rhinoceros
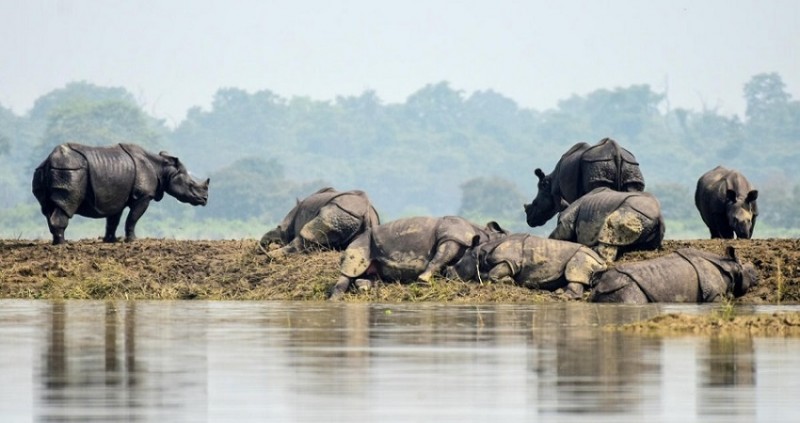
327	219
612	222
685	276
581	169
409	249
99	182
727	203
531	261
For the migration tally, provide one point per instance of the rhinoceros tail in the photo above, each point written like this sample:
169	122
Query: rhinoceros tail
39	187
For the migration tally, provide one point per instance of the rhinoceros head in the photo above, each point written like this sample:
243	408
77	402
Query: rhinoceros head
546	204
467	268
746	278
179	184
742	212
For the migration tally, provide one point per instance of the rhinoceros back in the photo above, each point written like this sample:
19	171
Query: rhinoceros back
608	164
112	173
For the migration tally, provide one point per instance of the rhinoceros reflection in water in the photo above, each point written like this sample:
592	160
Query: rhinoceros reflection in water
101	181
687	275
531	261
409	249
326	219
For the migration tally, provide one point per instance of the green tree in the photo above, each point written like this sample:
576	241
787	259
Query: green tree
238	125
492	198
766	97
99	123
254	188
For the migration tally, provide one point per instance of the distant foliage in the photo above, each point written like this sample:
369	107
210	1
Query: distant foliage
442	151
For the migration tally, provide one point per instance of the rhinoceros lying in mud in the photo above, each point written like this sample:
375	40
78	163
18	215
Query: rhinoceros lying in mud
612	222
101	181
409	249
581	169
727	203
685	276
531	261
326	218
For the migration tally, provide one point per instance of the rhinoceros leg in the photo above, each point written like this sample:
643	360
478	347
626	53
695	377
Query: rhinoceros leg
57	222
621	228
580	269
137	210
294	246
331	227
446	252
112	222
341	286
500	271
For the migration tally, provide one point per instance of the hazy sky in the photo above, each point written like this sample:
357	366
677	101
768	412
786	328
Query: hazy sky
175	54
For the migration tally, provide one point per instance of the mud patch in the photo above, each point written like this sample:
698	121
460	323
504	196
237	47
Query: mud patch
715	324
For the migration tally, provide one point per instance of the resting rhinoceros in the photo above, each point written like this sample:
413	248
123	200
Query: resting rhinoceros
612	222
326	218
727	203
531	261
685	276
100	182
581	169
409	249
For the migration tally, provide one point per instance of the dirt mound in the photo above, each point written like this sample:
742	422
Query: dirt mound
170	269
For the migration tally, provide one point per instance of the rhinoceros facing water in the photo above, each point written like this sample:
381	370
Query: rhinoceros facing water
531	261
685	276
409	249
99	182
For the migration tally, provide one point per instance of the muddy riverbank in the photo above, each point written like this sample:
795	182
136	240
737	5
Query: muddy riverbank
234	269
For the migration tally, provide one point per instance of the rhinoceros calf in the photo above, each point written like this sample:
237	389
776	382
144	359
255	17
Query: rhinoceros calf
409	249
100	182
581	169
612	222
727	203
326	219
685	276
531	261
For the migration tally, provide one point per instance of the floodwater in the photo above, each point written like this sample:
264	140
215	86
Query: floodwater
84	361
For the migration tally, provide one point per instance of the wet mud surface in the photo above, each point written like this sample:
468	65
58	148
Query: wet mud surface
236	269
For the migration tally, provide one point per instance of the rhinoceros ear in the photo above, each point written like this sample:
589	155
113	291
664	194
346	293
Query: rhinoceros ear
731	253
208	181
731	195
495	227
752	196
539	174
170	159
563	205
476	241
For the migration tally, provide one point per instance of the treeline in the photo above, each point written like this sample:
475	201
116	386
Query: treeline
440	152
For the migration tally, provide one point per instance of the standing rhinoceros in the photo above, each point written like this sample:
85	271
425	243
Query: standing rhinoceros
531	261
685	276
409	249
612	222
326	218
727	203
581	169
100	182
